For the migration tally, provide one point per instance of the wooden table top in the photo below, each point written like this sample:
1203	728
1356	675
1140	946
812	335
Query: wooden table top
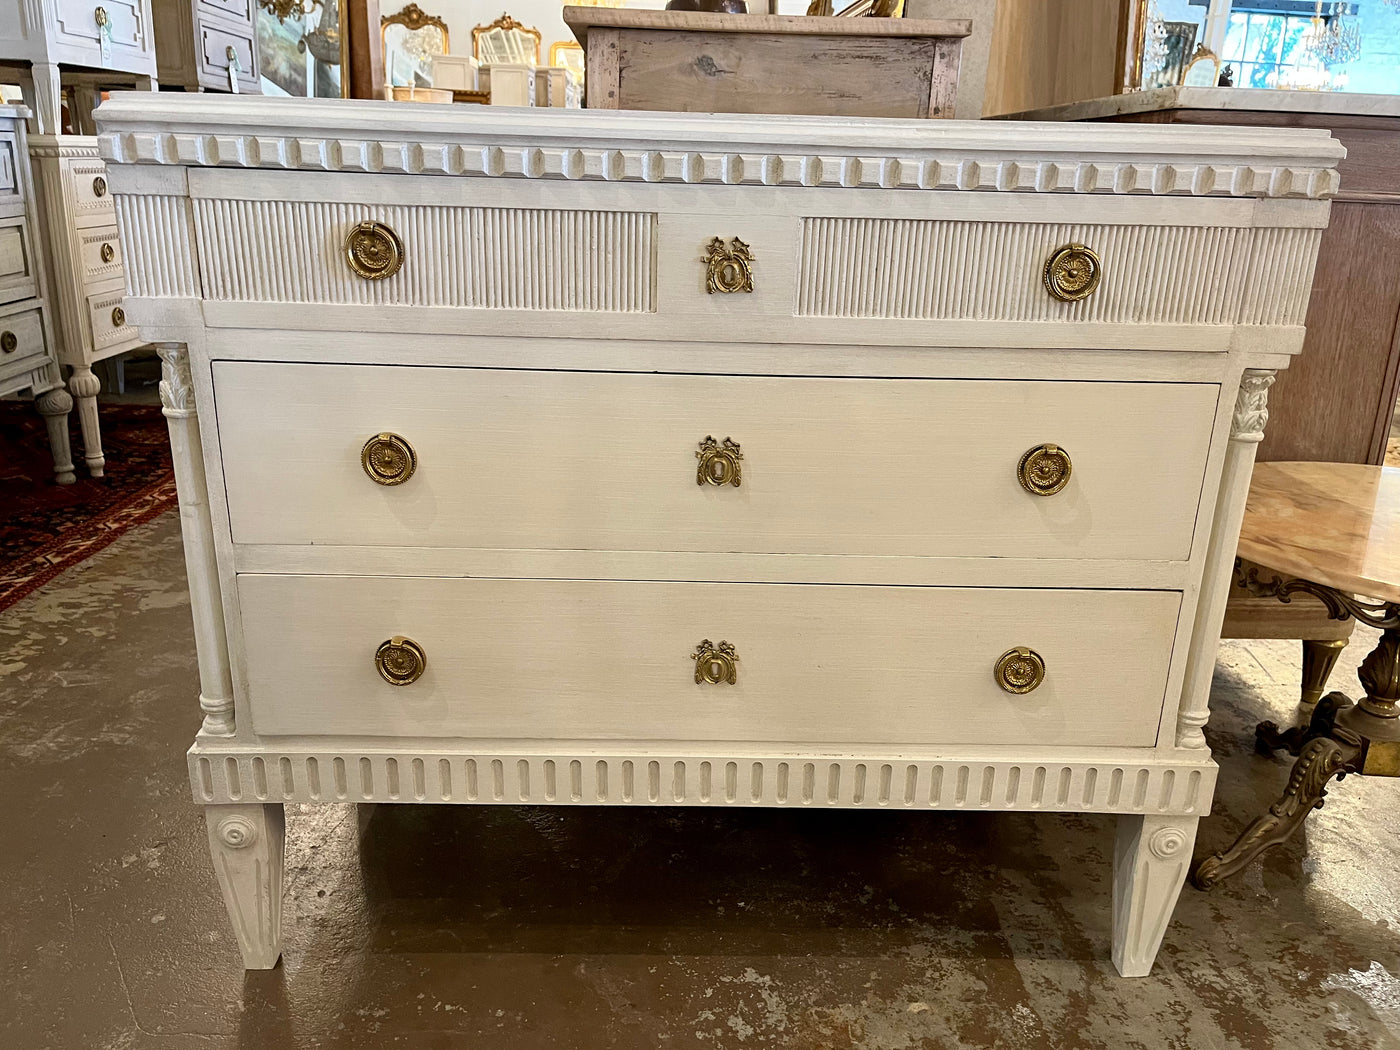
1337	524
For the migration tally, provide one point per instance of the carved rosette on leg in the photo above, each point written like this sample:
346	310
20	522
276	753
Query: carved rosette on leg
1150	860
196	524
1246	431
247	847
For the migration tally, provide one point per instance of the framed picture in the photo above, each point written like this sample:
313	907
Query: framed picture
305	53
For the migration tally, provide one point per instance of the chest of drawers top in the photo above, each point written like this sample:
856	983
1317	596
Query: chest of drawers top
598	225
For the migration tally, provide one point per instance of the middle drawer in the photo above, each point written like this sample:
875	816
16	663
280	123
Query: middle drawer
618	461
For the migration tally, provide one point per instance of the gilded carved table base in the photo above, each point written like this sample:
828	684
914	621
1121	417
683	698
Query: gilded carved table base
1342	737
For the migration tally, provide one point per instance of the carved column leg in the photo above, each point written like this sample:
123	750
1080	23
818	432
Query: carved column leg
84	386
1246	431
1150	860
1320	760
246	843
54	405
43	93
1318	660
197	529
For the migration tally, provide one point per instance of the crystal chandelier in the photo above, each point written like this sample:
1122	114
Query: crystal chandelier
1154	42
1333	38
324	41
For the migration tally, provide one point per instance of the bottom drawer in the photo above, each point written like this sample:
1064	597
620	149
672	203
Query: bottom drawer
109	323
601	660
21	340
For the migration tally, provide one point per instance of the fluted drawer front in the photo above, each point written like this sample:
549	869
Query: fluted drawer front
619	461
541	659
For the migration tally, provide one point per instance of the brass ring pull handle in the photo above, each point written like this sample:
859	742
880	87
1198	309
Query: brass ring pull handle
373	250
400	661
1072	273
108	253
1020	670
719	463
99	187
9	342
715	664
100	16
388	459
1044	470
118	317
728	267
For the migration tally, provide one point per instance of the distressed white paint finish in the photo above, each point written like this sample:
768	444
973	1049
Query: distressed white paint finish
1121	781
611	660
31	367
511	459
68	173
1150	859
495	258
558	429
247	843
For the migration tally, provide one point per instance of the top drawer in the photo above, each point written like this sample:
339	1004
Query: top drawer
608	461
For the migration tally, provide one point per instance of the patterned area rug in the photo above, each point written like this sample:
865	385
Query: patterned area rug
46	527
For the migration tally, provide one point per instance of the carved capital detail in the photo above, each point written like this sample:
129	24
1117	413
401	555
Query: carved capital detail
1166	843
236	832
1252	405
176	386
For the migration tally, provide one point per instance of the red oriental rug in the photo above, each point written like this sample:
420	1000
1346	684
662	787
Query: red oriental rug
46	528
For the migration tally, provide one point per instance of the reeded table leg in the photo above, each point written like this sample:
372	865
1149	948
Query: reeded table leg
1150	860
246	843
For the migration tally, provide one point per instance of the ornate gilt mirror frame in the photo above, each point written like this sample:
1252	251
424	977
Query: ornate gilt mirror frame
508	24
412	18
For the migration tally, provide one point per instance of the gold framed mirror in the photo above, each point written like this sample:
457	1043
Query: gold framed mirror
507	42
1203	69
410	38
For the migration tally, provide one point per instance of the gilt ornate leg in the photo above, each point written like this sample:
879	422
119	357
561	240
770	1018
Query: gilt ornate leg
1321	759
1318	660
1268	738
246	843
54	405
1150	859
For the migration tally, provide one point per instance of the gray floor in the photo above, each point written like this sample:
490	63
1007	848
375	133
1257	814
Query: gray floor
517	928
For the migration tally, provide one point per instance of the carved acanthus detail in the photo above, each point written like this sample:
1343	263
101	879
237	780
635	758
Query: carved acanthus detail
1252	405
176	386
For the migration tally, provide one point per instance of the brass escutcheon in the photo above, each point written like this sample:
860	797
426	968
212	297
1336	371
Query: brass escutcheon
1044	470
719	464
99	187
1020	670
373	250
400	660
715	664
118	317
1072	273
9	342
388	459
108	253
728	268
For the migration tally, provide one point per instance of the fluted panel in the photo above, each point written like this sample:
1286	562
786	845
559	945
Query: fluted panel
687	780
991	271
1280	276
496	258
158	246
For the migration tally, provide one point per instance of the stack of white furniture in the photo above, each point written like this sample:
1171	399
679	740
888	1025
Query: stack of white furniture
27	363
610	458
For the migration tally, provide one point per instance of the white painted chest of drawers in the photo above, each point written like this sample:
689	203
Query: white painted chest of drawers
636	538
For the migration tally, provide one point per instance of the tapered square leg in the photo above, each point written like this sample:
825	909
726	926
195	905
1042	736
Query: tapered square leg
246	843
1150	860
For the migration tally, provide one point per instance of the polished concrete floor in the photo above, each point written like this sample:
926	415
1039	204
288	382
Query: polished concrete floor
518	928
